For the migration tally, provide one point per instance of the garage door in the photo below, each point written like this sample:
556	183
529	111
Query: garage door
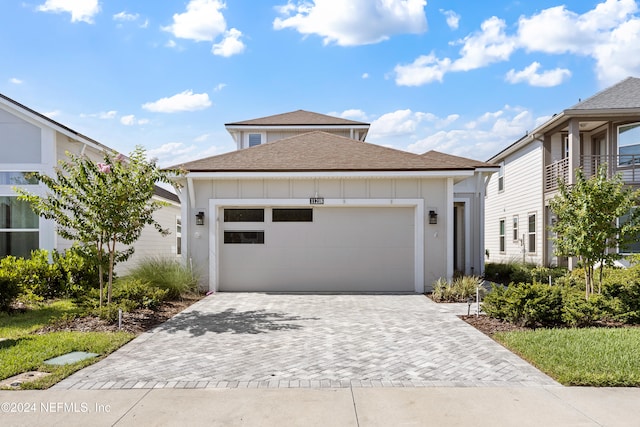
319	249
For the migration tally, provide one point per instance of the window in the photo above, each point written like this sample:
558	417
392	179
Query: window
17	178
532	233
292	215
244	215
632	246
629	144
255	139
502	235
501	177
244	237
178	235
515	228
18	228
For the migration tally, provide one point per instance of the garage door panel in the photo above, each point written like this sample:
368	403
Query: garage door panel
342	249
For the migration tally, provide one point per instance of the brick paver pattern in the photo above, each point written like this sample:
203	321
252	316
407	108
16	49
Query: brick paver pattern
310	340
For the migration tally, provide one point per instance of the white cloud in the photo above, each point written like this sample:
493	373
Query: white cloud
481	137
129	120
202	137
230	44
171	44
80	10
489	45
145	24
365	75
15	81
219	87
352	114
202	21
399	122
184	101
425	69
52	114
608	34
354	22
453	19
124	16
531	76
174	153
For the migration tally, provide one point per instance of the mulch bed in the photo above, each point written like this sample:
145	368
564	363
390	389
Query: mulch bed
136	322
489	325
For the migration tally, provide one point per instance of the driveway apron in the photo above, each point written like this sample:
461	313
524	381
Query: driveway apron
230	340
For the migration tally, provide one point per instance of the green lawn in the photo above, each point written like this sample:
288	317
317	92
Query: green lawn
24	351
581	357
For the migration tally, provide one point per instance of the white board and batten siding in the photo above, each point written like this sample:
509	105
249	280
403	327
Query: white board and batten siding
377	202
522	196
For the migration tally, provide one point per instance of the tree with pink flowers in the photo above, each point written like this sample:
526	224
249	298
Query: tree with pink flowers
104	205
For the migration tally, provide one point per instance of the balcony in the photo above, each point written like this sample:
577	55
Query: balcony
628	165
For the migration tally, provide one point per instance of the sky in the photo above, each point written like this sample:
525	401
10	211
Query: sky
462	77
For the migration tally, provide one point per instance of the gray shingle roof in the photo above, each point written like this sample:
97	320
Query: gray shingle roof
299	117
454	161
623	95
321	151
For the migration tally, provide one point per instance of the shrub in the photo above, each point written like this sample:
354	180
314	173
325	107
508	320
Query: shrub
621	288
80	268
9	290
508	272
140	294
578	311
525	304
458	290
166	273
35	276
110	312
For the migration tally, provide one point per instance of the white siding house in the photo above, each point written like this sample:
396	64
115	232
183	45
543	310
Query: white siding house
316	211
603	129
31	142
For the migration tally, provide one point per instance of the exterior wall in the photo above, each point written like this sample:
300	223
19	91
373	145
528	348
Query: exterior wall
241	137
28	145
522	196
437	194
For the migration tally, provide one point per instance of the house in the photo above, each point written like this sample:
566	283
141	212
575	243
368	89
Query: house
604	128
32	142
305	204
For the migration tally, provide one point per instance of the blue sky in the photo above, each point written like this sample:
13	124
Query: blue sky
458	76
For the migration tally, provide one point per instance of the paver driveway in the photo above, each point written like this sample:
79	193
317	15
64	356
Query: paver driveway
302	340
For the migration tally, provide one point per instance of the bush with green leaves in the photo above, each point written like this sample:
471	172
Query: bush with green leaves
507	272
9	290
79	265
35	276
142	294
580	312
525	304
166	273
459	290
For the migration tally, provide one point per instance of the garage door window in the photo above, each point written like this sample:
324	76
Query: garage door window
292	215
244	237
244	215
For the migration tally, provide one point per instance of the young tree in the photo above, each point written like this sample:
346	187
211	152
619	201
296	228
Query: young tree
104	205
590	223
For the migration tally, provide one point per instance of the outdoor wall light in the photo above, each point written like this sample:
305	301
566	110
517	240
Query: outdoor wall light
200	218
433	217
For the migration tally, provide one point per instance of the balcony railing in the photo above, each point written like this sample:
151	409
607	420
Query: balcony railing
627	165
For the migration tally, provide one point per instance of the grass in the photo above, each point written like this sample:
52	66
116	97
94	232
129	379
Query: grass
166	273
602	357
24	351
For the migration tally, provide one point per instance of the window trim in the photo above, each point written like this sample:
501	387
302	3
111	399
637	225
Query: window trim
533	233
618	146
247	139
224	214
515	223
502	241
178	235
292	219
501	178
259	237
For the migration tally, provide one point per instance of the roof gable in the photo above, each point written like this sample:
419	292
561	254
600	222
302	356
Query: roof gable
298	118
318	151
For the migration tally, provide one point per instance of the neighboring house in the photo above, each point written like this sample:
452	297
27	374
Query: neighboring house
604	128
32	142
305	204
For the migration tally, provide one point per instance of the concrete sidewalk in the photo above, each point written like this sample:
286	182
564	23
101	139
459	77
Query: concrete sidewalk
363	407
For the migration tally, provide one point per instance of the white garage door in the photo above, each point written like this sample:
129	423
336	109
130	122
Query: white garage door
319	249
